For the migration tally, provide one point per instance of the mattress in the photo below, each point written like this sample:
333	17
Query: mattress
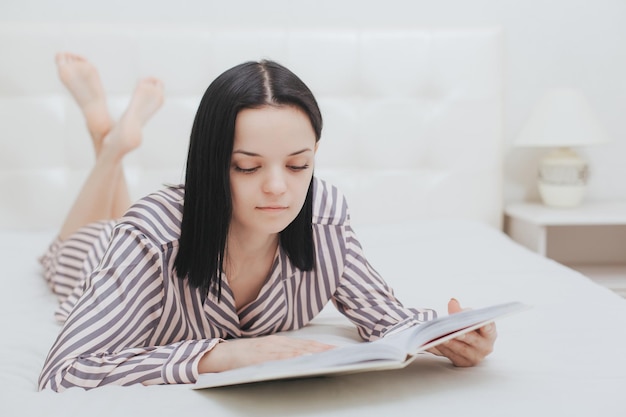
564	356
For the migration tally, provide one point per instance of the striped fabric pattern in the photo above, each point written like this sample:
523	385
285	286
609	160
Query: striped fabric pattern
129	319
67	263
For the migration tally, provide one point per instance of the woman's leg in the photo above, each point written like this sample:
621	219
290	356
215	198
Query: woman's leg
146	100
104	194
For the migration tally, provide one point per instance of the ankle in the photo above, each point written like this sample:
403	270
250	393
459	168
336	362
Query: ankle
122	139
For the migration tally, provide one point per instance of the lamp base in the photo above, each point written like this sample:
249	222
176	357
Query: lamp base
563	178
562	195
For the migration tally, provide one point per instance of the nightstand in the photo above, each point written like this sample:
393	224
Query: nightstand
590	238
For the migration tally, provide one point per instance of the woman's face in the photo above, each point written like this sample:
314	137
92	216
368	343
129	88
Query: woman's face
271	168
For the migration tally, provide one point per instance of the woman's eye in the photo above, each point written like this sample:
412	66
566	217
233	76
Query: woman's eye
245	170
298	167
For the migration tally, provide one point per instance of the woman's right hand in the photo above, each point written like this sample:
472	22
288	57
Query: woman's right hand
237	353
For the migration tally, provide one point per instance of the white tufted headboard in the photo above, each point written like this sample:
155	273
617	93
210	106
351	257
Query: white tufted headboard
413	118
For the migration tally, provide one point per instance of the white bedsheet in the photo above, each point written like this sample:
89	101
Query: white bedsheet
565	356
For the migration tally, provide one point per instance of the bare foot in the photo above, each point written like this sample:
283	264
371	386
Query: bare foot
81	78
126	134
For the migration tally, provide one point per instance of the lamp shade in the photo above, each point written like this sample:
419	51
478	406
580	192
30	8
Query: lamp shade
562	118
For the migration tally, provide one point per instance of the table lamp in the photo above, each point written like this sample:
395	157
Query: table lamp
562	119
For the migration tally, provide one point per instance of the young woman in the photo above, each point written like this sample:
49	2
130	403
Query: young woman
199	277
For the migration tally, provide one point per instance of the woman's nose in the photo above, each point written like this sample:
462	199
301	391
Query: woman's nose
275	182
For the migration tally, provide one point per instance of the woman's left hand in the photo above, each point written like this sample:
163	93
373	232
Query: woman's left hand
468	349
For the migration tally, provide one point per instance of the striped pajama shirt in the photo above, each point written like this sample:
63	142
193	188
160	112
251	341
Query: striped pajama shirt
127	318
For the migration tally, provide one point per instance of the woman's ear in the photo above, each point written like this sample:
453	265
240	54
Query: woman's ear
316	145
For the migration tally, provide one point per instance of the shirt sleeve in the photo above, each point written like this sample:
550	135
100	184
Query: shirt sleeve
366	299
105	339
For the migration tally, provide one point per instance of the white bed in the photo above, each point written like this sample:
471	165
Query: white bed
413	127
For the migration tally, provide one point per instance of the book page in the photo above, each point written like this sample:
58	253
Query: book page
341	359
444	328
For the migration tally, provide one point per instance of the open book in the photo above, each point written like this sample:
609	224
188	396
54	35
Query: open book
391	352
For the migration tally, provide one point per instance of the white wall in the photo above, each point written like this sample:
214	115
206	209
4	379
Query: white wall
579	43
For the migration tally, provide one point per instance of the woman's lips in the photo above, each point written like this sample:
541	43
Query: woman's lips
272	208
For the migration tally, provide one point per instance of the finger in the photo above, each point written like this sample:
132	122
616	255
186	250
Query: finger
468	349
285	347
477	344
456	354
315	347
434	351
454	306
489	331
312	345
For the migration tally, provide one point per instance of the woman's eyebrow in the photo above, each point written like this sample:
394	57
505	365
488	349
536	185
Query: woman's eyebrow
245	152
248	153
301	151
